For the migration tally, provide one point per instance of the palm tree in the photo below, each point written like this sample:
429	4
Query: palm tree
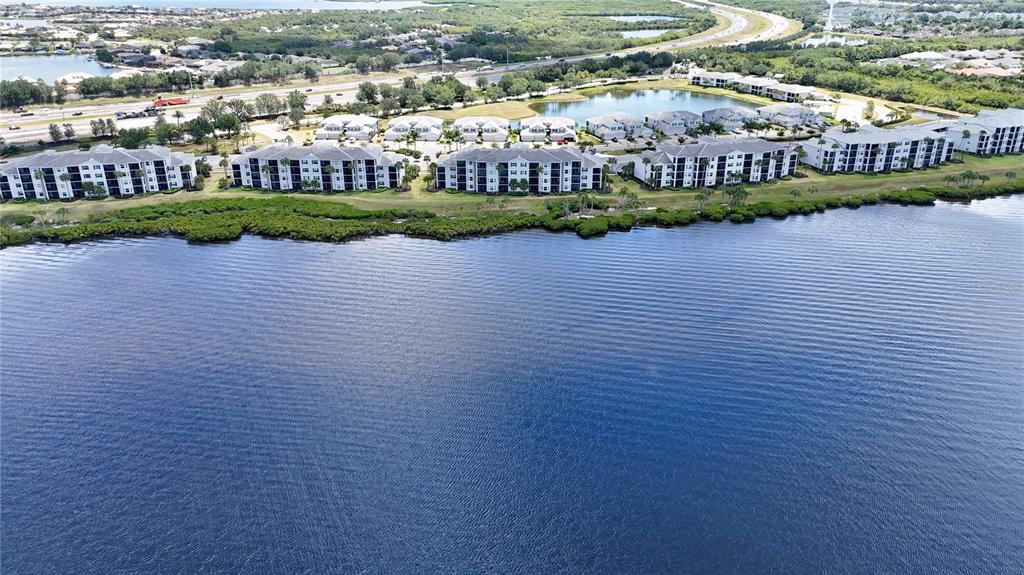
702	196
224	163
966	136
178	115
737	194
411	137
606	172
448	137
801	153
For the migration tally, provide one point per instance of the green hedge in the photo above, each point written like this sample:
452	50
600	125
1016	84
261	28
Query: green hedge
228	219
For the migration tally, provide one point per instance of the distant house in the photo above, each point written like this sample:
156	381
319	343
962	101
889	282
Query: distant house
215	67
871	149
187	49
485	128
347	126
729	118
520	167
673	123
616	125
323	166
789	115
544	128
713	162
427	128
74	78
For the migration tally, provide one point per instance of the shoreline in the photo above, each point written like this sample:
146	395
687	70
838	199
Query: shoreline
221	220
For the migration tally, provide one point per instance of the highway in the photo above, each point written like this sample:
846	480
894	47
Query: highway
741	29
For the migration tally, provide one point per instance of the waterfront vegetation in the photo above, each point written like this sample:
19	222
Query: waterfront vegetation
306	218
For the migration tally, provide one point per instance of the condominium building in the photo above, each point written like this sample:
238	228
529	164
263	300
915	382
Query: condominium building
790	115
427	128
756	85
616	125
323	166
347	126
989	133
519	168
483	128
713	79
543	128
101	170
712	162
673	123
790	92
729	118
873	149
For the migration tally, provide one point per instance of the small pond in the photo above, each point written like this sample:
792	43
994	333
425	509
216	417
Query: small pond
639	103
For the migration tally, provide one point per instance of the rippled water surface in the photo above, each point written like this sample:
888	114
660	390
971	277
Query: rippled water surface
840	393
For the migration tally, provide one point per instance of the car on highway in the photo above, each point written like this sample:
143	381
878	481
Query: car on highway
27	114
14	127
77	113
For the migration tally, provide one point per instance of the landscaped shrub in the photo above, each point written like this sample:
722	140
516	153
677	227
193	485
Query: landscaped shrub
592	227
17	219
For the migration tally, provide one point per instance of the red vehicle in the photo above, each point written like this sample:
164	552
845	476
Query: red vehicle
161	102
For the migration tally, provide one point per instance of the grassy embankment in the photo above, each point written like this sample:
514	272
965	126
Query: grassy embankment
218	216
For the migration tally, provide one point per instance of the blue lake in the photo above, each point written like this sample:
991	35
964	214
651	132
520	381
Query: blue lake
642	33
642	18
50	68
25	22
639	103
832	40
839	393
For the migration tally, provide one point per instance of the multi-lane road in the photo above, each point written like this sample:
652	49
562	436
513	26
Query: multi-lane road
741	26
